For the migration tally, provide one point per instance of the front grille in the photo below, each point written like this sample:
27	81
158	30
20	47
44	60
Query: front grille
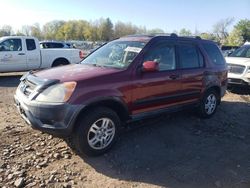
27	87
236	81
236	69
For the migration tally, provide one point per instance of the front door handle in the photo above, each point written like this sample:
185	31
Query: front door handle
21	54
174	76
7	56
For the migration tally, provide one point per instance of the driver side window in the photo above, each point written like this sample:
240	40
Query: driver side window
164	55
11	45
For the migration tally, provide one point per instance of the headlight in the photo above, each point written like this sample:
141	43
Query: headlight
57	93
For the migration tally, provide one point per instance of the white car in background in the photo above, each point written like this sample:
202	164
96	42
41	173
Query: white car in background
239	66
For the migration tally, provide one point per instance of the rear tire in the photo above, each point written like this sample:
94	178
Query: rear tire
96	131
208	104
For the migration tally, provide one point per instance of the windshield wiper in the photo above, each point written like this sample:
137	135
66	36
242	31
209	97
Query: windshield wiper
97	65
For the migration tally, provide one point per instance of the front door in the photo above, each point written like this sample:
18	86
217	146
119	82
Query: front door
12	55
159	89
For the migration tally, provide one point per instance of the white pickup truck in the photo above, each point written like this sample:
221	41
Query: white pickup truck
239	66
22	53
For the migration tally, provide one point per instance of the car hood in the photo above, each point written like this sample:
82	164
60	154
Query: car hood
238	60
74	72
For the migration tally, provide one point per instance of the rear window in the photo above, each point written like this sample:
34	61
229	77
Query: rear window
214	53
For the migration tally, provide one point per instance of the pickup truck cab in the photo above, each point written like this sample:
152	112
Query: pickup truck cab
22	53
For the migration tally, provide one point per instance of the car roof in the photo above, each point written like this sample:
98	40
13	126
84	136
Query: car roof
148	37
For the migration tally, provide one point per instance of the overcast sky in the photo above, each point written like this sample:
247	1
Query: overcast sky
165	14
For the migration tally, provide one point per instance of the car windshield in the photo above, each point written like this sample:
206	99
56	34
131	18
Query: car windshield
243	51
115	54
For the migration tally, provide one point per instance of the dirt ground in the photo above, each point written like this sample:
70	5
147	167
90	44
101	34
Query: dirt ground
175	151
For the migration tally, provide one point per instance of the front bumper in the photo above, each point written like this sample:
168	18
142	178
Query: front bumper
56	119
242	79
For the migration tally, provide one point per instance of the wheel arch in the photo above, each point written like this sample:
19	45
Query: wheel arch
217	89
60	61
113	103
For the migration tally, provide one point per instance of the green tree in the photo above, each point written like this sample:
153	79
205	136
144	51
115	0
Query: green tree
68	30
36	31
6	30
155	31
26	30
106	30
19	33
50	29
94	36
235	38
207	36
123	29
185	32
243	28
88	32
142	30
80	29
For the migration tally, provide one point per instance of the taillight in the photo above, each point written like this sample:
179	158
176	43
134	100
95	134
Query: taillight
81	54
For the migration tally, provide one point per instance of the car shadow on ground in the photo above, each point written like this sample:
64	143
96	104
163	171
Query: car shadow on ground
10	80
181	150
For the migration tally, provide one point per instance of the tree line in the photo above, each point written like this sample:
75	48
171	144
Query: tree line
104	30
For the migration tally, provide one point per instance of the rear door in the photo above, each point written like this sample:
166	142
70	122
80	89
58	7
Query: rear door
12	55
191	62
32	53
159	89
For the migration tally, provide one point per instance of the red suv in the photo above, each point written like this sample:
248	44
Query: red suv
126	79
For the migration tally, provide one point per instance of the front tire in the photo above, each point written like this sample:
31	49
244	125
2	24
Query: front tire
208	104
96	131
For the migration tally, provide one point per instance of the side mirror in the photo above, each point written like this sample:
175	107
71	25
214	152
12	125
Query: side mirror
150	66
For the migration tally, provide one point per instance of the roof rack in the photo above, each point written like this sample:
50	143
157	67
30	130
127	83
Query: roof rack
196	37
163	34
153	35
137	35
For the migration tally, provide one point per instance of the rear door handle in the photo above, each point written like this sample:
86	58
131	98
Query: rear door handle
21	54
174	76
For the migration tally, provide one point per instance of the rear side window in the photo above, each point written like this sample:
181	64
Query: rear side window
31	45
214	53
190	57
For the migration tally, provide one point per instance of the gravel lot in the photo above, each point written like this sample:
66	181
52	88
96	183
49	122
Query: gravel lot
175	151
